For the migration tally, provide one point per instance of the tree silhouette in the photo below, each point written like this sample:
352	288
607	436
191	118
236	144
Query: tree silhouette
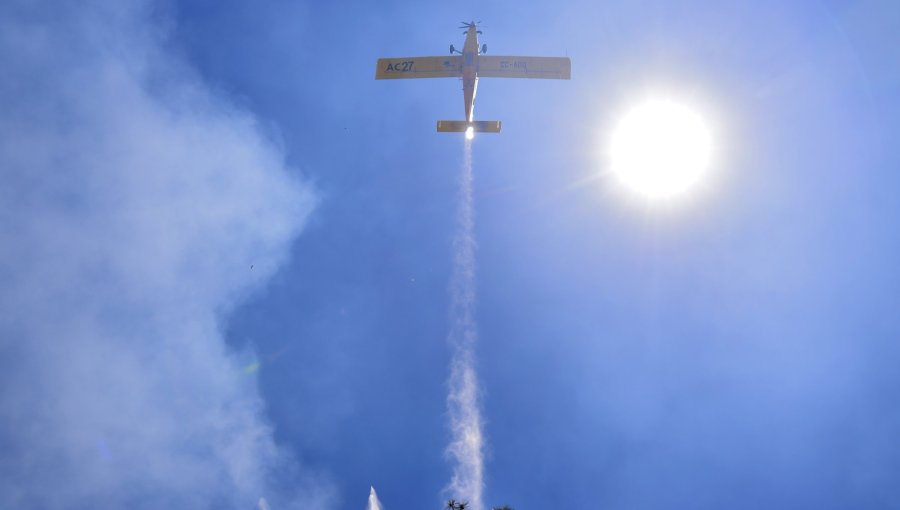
452	504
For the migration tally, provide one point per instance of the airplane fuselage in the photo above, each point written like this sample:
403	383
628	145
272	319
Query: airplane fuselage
469	71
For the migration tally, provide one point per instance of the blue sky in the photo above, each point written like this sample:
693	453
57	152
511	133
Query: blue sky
733	348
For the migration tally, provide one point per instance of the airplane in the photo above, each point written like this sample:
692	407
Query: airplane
470	64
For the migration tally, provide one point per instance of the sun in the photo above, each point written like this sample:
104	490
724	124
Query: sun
660	148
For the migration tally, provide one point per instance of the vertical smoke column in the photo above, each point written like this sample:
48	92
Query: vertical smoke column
374	504
465	449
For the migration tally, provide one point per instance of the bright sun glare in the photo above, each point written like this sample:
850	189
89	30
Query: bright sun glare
660	148
470	133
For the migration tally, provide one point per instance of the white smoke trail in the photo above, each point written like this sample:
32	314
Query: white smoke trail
466	447
374	504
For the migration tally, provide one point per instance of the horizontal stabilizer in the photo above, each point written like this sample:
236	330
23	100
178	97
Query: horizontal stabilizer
460	126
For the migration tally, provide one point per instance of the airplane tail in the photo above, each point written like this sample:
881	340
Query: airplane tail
460	126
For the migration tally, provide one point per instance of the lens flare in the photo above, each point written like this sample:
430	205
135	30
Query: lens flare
470	133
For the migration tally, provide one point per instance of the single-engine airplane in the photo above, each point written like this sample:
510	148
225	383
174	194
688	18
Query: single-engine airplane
470	64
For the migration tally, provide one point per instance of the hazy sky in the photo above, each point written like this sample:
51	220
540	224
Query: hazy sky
225	252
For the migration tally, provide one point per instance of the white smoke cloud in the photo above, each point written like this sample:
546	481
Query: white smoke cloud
466	448
374	504
132	204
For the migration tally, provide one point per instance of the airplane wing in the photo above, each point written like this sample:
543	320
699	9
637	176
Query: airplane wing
493	66
419	67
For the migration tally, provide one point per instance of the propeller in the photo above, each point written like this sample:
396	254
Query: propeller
473	24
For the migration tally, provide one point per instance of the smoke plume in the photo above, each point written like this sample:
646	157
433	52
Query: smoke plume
133	203
466	447
374	504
